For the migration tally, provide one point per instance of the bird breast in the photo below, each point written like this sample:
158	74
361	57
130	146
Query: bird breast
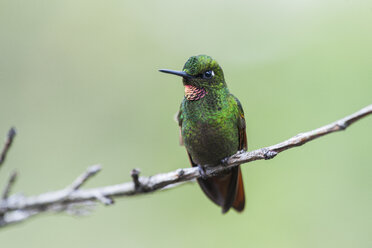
210	139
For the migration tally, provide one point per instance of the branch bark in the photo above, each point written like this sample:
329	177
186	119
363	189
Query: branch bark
72	199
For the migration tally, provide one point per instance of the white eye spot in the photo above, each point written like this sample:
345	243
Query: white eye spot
208	74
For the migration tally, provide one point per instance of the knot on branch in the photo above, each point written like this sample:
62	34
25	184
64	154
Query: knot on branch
138	187
342	125
269	154
180	172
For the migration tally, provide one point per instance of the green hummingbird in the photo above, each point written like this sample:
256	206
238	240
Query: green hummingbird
212	128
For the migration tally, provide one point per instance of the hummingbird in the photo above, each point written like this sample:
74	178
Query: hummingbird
212	127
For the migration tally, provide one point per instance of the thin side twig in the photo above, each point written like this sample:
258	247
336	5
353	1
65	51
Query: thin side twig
7	145
9	185
17	208
90	172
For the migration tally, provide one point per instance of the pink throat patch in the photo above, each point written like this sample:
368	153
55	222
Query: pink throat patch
193	93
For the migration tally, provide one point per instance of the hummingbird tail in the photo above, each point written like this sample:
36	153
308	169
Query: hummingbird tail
226	191
239	202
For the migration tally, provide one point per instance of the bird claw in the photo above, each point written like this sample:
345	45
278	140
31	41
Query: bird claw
202	172
224	161
241	151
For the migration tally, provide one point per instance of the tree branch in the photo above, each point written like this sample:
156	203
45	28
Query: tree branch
72	199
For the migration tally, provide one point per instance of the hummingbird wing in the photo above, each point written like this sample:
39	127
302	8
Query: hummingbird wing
231	186
239	201
227	190
179	119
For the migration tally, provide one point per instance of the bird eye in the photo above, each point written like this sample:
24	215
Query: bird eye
208	74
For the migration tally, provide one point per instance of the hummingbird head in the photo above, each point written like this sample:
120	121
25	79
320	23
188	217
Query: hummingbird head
201	74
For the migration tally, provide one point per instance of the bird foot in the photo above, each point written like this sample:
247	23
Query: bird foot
224	161
202	172
241	151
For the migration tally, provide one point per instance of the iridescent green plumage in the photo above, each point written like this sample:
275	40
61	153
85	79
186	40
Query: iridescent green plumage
212	128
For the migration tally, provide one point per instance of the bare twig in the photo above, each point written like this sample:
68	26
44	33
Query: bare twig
135	175
9	185
17	208
8	143
90	172
105	200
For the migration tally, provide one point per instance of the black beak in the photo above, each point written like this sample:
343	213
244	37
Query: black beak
178	73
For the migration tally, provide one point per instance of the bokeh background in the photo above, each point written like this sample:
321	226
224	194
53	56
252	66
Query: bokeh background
79	81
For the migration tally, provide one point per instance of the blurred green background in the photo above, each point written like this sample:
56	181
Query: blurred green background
79	81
